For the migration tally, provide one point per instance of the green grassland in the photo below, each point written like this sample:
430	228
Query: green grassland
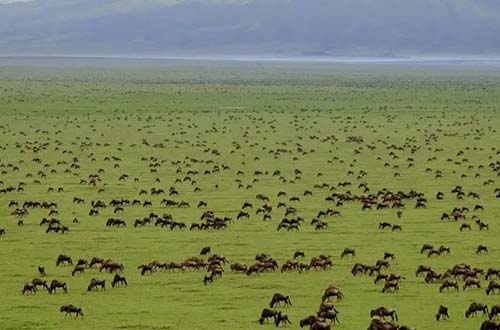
239	116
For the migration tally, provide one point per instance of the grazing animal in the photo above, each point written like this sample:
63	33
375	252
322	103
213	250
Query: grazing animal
96	261
396	227
384	225
492	272
448	284
310	320
492	286
96	283
299	254
281	318
384	312
377	324
78	269
442	313
390	286
331	315
38	282
326	306
490	325
433	276
70	309
146	269
318	325
64	259
422	269
481	249
465	226
332	291
472	282
444	249
82	262
266	315
111	266
29	288
426	247
279	298
348	252
119	280
495	310
474	308
205	251
209	278
388	255
56	284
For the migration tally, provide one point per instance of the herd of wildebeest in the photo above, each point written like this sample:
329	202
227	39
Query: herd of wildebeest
283	209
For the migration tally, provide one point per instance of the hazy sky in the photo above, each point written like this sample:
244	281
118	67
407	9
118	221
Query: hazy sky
286	27
11	1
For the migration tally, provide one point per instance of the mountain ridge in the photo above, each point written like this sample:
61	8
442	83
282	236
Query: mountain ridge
279	27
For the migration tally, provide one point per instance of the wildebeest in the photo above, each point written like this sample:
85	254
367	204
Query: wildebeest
384	225
331	315
326	307
433	276
465	226
29	288
389	255
384	312
490	325
70	309
299	254
492	272
426	247
310	320
41	270
321	262
96	283
281	318
348	251
237	267
242	214
78	269
377	324
112	222
390	286
38	282
267	314
64	259
279	298
396	228
472	282
146	269
119	280
494	312
55	284
448	284
332	291
111	266
475	307
96	261
442	313
205	250
209	278
57	229
481	249
422	269
492	286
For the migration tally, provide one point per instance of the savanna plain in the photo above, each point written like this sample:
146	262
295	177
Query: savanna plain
336	150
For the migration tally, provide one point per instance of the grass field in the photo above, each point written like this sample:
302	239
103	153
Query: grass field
205	115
